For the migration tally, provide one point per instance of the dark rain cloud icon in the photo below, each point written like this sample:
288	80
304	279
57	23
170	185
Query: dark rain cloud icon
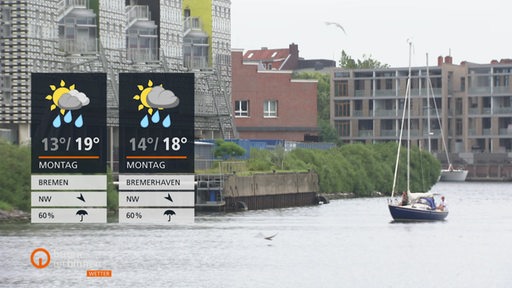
161	98
155	99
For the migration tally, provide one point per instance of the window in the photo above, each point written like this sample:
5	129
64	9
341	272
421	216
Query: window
242	108
341	88
389	84
270	109
359	84
342	109
458	127
343	128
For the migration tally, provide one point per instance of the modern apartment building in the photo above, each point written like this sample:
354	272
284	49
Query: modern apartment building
474	102
113	36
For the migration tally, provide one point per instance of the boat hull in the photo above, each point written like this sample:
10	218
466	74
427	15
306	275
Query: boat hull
457	175
408	213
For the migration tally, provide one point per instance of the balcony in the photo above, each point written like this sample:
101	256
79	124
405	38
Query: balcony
195	62
501	90
386	112
385	92
137	13
142	55
365	133
192	24
362	93
483	90
505	131
503	110
73	46
388	133
66	6
356	113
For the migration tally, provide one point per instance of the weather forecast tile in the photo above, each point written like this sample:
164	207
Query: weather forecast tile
68	123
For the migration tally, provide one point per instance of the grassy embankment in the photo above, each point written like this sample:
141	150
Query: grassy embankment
356	168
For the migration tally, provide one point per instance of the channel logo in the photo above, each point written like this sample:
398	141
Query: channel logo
40	258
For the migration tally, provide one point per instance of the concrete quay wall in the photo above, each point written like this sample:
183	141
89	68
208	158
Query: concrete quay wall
273	190
489	172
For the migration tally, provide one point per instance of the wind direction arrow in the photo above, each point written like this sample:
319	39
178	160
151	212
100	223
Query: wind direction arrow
168	197
81	197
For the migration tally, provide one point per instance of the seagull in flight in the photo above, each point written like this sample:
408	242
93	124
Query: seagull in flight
270	237
337	25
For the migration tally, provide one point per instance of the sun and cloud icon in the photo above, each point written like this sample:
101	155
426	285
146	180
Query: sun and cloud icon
67	99
155	99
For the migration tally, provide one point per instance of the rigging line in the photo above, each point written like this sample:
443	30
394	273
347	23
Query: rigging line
439	122
406	99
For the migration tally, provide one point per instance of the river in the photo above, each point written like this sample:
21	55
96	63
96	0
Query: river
347	243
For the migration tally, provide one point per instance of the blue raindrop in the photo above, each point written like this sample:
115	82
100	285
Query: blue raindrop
79	122
156	117
68	117
57	122
144	123
167	121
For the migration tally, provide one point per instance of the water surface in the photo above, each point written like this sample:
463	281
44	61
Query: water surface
347	243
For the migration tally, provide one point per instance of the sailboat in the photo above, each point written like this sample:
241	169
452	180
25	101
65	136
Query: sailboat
451	173
412	206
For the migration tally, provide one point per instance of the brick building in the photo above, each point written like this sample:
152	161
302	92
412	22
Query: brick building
269	104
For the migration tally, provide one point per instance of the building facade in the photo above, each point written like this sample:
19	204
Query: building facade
473	102
269	104
113	36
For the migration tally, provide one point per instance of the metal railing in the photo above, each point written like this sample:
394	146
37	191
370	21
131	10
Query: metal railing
73	46
137	12
192	23
142	55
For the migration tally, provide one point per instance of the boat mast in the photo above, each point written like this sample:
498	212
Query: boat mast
408	93
427	83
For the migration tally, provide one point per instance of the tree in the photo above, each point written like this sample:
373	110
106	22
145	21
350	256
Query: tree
323	95
327	132
226	150
368	62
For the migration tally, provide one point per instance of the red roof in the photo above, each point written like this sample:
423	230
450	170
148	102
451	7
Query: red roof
266	54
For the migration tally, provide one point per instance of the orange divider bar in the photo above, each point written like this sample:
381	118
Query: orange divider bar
69	157
156	157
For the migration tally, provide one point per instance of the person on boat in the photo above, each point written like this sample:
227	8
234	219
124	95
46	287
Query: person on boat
405	199
442	206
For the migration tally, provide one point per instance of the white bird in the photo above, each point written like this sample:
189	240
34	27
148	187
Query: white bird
270	237
337	25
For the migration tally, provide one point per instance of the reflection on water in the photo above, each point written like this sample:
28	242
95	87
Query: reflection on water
347	243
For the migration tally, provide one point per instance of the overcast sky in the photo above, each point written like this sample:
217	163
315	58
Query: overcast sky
474	31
